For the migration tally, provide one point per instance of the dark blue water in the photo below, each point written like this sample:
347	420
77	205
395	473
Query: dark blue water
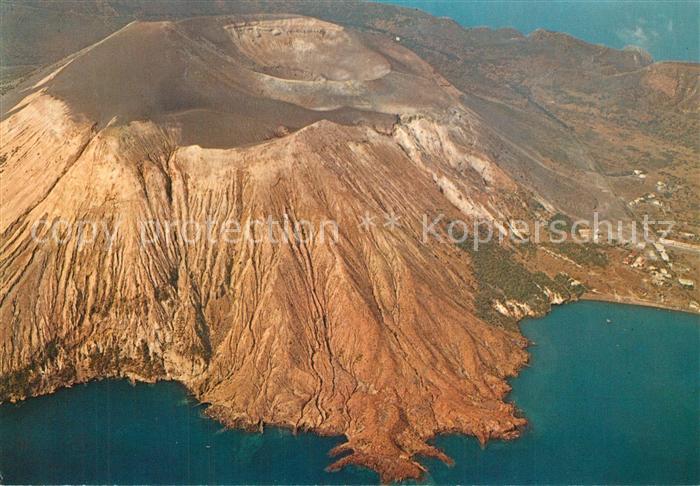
608	402
112	432
669	30
614	402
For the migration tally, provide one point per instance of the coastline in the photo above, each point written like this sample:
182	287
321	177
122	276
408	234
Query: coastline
443	456
616	299
451	442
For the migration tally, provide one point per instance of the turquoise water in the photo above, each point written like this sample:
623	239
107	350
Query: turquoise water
112	432
614	402
607	402
669	30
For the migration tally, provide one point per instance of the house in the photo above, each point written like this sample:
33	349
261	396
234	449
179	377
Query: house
661	250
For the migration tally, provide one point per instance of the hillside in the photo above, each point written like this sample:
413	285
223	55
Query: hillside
238	202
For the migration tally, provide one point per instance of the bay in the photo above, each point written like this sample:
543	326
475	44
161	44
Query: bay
612	395
667	30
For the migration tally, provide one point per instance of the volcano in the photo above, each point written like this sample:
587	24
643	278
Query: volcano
141	173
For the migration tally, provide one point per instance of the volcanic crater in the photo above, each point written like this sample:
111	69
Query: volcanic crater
378	335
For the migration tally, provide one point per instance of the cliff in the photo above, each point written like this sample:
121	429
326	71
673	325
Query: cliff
238	203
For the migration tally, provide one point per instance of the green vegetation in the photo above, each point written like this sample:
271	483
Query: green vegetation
16	382
22	381
501	277
563	222
108	362
585	254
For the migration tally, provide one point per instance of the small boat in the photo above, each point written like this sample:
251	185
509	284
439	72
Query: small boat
608	321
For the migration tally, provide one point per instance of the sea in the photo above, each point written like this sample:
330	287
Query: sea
668	30
612	395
